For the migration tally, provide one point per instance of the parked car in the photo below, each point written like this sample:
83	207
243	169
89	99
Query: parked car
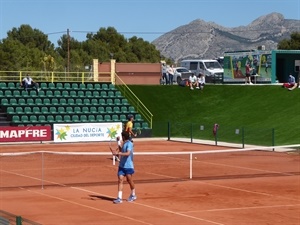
181	73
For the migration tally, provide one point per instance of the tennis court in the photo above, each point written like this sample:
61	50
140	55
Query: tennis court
76	183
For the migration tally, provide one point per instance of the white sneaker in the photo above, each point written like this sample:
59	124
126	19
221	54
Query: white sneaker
192	88
197	87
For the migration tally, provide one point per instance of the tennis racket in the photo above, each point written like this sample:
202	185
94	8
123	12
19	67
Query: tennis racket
114	148
138	132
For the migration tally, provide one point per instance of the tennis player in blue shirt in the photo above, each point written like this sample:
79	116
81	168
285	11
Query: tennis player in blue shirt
126	169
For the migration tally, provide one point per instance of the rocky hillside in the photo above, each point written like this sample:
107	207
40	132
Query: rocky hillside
200	39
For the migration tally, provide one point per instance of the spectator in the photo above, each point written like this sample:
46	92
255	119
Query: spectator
164	73
171	71
28	82
201	81
248	73
291	82
193	81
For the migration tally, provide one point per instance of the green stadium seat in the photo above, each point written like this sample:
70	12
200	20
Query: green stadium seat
124	109
51	86
88	94
58	119
80	94
67	118
8	93
71	101
69	110
36	110
99	118
111	87
104	87
102	102
43	86
4	102
118	94
131	109
116	109
41	93
138	118
63	101
13	102
90	86
109	101
137	125
44	110
3	85
107	118
117	102
110	94
123	118
75	118
78	101
86	101
11	86
145	125
24	119
103	94
33	93
74	86
61	110
50	119
38	101
27	110
115	118
85	110
67	86
10	110
16	93
77	110
82	86
125	102
94	101
57	94
108	109
96	94
83	118
101	109
49	93
93	109
91	118
53	110
19	110
24	94
54	101
73	94
59	86
65	94
16	119
1	93
21	101
33	119
46	101
42	119
97	86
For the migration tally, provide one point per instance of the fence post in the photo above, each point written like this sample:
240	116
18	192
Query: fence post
18	220
273	138
169	131
191	133
243	137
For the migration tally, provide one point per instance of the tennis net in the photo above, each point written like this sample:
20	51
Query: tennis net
47	168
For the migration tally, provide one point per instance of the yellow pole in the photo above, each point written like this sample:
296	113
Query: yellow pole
82	78
52	77
20	76
112	70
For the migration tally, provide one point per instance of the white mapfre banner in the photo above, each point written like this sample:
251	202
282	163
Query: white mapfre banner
78	132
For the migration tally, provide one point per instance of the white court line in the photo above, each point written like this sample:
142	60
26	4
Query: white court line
242	208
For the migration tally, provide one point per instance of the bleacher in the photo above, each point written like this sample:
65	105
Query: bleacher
65	103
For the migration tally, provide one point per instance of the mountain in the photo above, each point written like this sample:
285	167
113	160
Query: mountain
200	39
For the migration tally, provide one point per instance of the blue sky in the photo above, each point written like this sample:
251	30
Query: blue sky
147	19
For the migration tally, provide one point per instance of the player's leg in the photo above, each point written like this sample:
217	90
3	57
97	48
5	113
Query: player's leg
132	196
120	186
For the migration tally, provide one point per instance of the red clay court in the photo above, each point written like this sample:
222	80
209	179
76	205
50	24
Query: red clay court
228	188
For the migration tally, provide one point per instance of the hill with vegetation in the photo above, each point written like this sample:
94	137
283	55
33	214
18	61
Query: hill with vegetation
262	109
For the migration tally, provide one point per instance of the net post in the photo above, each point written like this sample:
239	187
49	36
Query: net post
42	170
191	166
169	131
273	138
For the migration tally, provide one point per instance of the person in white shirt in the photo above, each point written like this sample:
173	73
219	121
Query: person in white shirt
170	71
201	81
28	82
193	81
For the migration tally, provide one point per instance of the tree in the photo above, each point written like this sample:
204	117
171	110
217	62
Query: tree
290	44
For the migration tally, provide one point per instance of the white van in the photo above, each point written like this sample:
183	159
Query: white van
211	68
